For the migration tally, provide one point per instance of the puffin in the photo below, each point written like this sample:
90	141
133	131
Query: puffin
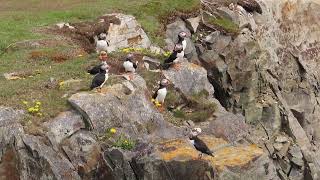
250	6
100	79
198	143
181	40
174	58
96	69
102	44
128	65
160	95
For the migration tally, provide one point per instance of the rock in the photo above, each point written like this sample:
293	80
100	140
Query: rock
284	150
154	63
156	50
126	34
84	153
10	127
193	24
130	111
39	161
278	146
64	126
220	43
295	152
281	139
228	14
190	79
212	37
177	158
229	126
11	76
118	162
296	174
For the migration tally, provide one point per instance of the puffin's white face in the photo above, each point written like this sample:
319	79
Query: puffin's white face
196	131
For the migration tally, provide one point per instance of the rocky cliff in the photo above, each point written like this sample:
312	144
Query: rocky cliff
252	84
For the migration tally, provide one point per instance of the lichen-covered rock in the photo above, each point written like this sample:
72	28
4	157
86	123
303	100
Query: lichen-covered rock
178	159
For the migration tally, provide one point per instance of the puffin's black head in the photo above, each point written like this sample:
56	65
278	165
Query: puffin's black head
129	57
102	36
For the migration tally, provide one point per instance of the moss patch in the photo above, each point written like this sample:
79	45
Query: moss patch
225	24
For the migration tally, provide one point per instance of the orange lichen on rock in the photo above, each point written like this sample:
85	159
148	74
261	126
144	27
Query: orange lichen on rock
225	155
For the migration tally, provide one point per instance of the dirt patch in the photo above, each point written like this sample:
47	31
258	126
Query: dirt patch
56	56
83	33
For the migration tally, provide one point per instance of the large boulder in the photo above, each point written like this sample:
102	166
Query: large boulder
128	33
190	79
39	161
178	159
124	106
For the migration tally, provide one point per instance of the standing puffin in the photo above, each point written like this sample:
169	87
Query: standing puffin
160	95
128	65
102	44
174	58
181	40
96	69
198	143
100	79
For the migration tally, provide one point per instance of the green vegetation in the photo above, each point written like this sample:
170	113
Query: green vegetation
124	143
224	23
42	71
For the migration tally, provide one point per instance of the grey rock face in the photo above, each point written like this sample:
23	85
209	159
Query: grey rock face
63	126
190	79
40	161
130	111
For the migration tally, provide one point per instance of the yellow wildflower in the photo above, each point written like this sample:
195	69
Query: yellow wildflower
31	109
39	114
25	102
61	83
153	100
113	130
38	103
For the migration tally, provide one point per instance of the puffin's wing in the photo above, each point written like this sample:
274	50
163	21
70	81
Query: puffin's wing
201	146
171	58
97	81
135	65
95	70
250	6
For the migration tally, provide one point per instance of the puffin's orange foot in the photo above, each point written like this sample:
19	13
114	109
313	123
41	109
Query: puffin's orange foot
130	77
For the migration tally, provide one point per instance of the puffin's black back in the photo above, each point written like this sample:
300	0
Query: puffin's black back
170	59
98	79
95	70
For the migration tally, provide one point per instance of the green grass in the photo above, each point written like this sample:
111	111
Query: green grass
20	19
224	23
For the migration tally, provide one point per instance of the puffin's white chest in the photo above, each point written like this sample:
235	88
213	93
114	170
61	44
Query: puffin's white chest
179	56
102	45
192	141
184	45
128	66
161	95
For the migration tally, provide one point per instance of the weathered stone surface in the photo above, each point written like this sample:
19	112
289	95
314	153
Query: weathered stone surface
84	153
178	158
40	161
229	126
190	79
130	111
126	34
63	126
153	63
193	23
